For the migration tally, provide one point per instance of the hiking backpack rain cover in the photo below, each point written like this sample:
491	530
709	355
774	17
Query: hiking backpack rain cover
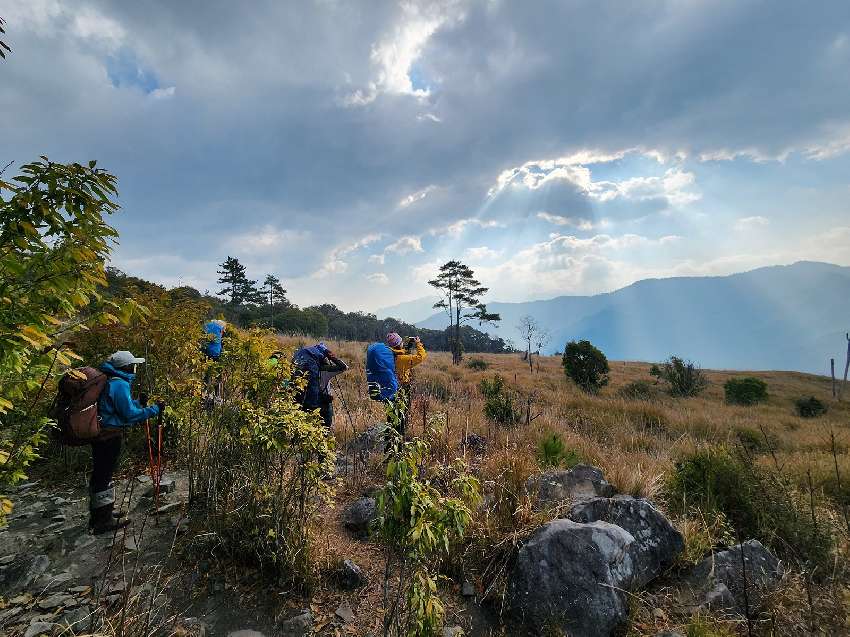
76	405
380	372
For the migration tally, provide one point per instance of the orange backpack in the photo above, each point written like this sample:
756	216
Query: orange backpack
76	406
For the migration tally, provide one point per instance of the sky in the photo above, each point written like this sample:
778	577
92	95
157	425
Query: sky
350	148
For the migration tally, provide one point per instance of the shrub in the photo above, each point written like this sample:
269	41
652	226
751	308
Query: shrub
683	377
586	365
499	404
754	441
638	390
809	407
434	386
477	364
757	503
552	452
745	391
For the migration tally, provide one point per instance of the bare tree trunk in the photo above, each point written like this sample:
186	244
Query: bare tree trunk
846	366
832	373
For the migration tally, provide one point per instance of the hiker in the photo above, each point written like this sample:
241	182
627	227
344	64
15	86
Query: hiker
117	411
405	361
319	364
212	344
332	366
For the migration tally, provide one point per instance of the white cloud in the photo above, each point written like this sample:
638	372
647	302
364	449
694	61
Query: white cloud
378	278
457	228
482	253
419	195
575	222
673	186
162	93
405	245
377	258
750	223
264	240
430	117
330	268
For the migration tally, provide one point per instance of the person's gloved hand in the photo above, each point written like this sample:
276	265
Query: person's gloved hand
161	405
143	399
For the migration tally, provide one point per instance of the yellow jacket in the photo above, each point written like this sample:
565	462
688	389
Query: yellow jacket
404	362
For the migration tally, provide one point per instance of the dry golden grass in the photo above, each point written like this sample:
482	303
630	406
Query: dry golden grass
636	443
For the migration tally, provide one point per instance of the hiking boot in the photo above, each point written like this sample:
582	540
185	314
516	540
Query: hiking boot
102	520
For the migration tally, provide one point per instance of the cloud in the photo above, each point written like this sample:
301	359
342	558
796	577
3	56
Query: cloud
379	278
264	240
419	195
163	93
576	222
482	253
405	245
750	223
458	227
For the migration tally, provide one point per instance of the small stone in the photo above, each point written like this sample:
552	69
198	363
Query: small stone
8	559
659	614
117	587
171	506
79	590
77	617
245	632
467	590
58	518
111	600
21	600
345	613
130	543
351	576
297	626
358	516
59	501
453	631
144	479
38	628
56	601
50	528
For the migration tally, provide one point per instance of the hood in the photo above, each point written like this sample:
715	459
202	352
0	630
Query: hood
109	370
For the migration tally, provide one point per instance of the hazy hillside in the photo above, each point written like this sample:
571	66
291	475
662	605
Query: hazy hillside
782	317
410	311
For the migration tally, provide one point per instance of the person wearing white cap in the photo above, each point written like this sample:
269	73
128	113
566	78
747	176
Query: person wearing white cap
117	411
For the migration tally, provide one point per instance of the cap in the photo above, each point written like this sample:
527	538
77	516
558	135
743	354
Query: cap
123	358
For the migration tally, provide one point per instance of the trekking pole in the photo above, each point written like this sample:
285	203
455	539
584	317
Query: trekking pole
350	422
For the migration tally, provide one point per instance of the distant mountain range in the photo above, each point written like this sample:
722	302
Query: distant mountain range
775	318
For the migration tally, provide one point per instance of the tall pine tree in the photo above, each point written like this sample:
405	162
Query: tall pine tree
461	300
238	286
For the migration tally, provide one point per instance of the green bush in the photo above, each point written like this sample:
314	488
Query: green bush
477	364
754	441
499	404
745	391
586	365
758	504
434	386
684	378
553	452
638	390
809	407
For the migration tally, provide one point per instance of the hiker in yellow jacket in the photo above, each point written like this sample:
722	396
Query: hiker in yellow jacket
406	358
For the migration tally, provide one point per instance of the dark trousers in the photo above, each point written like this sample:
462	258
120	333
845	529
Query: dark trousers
326	409
104	455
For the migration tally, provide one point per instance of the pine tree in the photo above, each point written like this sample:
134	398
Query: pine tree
238	286
461	300
275	295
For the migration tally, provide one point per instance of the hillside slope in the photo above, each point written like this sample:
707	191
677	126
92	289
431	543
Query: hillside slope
781	317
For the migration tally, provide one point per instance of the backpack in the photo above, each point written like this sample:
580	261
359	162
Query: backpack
307	366
76	406
380	372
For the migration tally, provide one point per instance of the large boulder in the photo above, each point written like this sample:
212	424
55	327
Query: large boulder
359	515
571	576
553	488
656	543
718	582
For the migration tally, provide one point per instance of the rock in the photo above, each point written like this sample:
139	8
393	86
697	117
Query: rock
194	627
718	581
245	632
23	572
167	484
569	485
669	633
58	579
368	441
171	506
656	543
130	543
21	600
350	576
8	559
345	613
118	586
358	516
58	518
77	590
467	590
571	576
56	601
297	626
77	618
475	443
453	631
39	628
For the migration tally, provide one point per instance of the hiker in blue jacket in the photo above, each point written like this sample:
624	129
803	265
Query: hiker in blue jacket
212	345
308	361
117	412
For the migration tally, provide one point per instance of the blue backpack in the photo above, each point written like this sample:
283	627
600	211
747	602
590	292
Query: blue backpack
380	372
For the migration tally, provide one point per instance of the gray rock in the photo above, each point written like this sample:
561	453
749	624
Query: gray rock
345	613
367	441
22	573
8	559
56	601
718	581
196	628
77	618
568	485
39	628
467	590
358	516
656	544
453	631
171	506
245	632
350	576
572	576
297	626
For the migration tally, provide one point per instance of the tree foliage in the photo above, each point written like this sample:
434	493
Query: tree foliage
54	240
4	48
237	286
461	299
684	378
586	365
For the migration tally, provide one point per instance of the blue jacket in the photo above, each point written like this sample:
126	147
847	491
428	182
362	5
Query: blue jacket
115	407
213	348
308	361
380	372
